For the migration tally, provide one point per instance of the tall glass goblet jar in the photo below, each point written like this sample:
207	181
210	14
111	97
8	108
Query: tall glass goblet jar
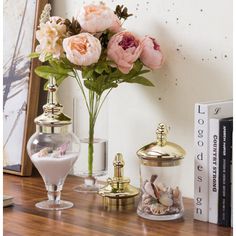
53	149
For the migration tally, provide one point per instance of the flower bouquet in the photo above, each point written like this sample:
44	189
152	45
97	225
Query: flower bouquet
94	49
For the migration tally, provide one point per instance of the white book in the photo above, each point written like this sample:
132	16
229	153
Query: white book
203	112
7	200
213	169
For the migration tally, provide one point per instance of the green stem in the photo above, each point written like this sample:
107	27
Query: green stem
81	88
99	107
93	104
90	145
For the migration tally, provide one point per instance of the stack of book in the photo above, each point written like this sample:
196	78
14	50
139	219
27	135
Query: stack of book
213	128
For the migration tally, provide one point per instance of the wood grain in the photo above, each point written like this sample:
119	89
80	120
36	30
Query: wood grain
88	216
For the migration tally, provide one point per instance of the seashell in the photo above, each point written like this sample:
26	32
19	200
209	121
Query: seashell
145	196
55	154
166	199
158	209
147	201
176	193
153	178
43	152
62	149
174	210
169	190
146	209
148	188
161	186
156	190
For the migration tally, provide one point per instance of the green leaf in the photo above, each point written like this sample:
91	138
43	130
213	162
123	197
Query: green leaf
99	69
108	86
60	66
91	85
45	71
140	80
138	65
143	72
48	57
87	72
34	55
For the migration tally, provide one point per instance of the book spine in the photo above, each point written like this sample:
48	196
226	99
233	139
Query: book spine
213	170
201	162
232	190
225	158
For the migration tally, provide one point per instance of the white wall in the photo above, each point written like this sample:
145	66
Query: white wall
196	38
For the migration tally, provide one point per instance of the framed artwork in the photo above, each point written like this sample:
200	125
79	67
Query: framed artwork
21	87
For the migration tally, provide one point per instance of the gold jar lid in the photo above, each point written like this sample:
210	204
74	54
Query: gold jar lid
53	120
161	152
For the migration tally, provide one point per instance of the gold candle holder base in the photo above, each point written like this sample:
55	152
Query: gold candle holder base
118	194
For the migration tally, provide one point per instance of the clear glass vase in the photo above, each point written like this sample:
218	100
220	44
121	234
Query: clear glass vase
53	164
53	149
99	165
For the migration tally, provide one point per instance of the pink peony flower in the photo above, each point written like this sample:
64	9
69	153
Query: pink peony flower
116	25
124	49
50	36
82	49
151	55
95	18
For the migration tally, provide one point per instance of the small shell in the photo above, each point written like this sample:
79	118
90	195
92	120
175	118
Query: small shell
55	154
145	196
176	193
153	178
62	149
157	191
166	200
149	189
147	201
161	186
174	210
146	209
158	209
169	190
43	152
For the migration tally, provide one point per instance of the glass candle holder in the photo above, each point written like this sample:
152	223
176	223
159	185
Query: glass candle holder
161	197
53	149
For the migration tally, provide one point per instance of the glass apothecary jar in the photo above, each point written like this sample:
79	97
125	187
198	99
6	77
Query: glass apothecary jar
161	197
53	149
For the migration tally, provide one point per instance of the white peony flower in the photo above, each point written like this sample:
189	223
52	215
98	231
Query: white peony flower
95	18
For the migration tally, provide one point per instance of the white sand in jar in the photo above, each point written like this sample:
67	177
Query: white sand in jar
52	169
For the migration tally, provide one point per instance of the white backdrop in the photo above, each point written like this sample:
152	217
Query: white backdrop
196	39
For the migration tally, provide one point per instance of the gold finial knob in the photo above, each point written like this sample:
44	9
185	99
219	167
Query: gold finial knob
162	132
118	186
118	164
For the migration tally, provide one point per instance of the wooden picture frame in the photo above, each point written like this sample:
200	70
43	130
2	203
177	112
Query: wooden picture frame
33	96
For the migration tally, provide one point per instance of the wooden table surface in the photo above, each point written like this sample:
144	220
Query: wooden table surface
88	216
